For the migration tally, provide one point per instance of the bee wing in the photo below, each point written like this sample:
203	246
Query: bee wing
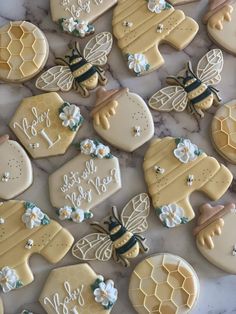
55	79
169	98
95	246
134	215
210	67
98	48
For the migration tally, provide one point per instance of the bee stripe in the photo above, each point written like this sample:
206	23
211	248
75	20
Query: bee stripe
201	97
125	248
86	75
193	86
118	234
78	65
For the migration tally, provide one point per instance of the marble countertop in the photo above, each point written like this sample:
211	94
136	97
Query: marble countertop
217	288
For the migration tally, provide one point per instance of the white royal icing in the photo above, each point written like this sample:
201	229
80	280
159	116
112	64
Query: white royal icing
75	10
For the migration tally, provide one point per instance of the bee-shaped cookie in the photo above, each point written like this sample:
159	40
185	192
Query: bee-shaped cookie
193	91
82	72
122	240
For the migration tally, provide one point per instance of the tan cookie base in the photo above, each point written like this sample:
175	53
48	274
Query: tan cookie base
1	307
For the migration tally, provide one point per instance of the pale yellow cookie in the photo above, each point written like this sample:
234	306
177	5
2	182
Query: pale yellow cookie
215	236
46	124
140	26
122	119
179	2
174	168
26	230
164	284
23	51
77	289
1	307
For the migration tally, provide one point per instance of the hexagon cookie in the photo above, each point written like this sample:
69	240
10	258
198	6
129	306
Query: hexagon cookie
46	125
85	181
164	283
77	289
23	51
16	173
122	119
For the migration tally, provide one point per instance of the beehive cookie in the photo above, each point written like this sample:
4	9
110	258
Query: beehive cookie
220	20
16	173
46	124
78	289
215	235
23	51
26	230
140	26
223	131
174	168
164	284
122	119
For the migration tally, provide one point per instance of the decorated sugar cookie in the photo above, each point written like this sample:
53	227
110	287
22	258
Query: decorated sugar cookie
122	118
75	16
215	235
179	2
26	230
174	168
46	124
78	289
221	27
16	173
23	52
1	307
80	71
140	26
164	284
192	91
121	240
85	181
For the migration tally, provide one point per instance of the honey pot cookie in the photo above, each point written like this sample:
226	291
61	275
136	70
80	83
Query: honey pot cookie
46	124
122	119
23	51
164	283
140	26
215	235
26	230
78	289
174	168
16	173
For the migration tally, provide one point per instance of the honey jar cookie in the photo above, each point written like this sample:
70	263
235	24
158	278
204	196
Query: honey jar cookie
23	51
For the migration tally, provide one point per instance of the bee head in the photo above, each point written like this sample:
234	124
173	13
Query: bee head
74	57
112	223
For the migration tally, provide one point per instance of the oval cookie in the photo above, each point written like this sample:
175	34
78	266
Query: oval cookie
16	173
215	236
122	119
223	130
164	283
23	52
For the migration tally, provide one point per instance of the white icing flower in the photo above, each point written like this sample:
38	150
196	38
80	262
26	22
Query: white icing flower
102	151
82	27
71	116
65	2
87	147
106	294
156	5
186	151
33	217
171	215
69	25
137	62
8	279
78	215
65	213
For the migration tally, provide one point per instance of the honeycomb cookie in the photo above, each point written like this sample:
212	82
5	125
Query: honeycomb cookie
26	230
223	131
140	26
23	51
78	289
85	181
122	119
164	283
16	173
173	169
46	124
220	20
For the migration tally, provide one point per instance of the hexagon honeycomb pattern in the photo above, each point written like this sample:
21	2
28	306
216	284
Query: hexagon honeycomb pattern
23	51
163	284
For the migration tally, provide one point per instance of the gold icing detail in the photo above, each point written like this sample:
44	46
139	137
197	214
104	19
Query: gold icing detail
102	116
224	14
